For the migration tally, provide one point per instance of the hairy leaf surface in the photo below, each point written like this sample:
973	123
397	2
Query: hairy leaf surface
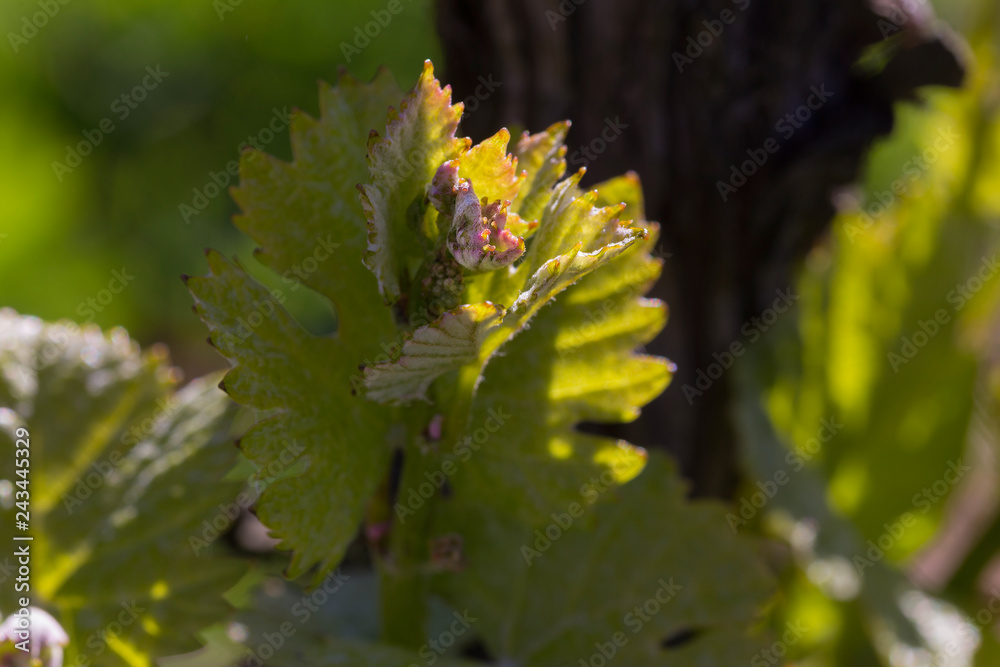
308	383
609	570
484	398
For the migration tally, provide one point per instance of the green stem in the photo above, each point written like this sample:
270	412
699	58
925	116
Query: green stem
404	584
405	572
461	404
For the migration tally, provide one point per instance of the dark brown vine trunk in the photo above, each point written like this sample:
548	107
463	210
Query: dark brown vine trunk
679	92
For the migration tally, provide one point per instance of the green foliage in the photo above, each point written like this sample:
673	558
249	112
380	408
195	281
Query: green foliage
123	471
504	306
145	196
305	380
889	345
479	371
418	138
626	572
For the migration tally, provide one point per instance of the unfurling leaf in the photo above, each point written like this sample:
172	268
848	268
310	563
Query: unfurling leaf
420	135
478	237
515	312
449	343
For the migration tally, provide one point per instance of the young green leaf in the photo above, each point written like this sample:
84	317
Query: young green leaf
580	350
305	384
576	362
301	212
419	137
542	157
575	236
447	344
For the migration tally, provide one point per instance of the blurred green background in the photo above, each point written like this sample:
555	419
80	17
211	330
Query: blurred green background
228	67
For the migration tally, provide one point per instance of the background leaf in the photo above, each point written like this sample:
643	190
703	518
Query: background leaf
122	472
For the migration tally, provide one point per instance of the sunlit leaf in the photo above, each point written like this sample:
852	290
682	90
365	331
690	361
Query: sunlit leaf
122	472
